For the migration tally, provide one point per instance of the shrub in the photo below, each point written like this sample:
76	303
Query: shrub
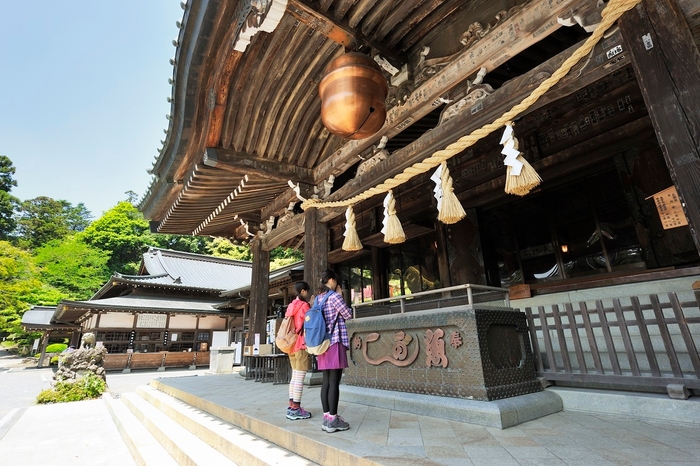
53	361
56	347
88	387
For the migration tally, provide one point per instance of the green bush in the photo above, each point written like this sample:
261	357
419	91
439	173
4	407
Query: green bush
56	348
88	387
53	361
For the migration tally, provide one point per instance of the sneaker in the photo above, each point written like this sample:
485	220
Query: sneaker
336	423
324	427
299	413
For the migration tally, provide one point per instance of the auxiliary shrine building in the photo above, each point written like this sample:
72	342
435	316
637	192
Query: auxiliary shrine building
303	123
171	306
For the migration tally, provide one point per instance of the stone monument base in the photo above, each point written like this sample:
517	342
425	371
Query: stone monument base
501	414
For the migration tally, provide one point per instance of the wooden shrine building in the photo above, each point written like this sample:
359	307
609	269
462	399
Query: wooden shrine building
148	320
615	140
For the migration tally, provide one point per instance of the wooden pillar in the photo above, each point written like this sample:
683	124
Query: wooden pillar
380	285
259	291
44	344
667	64
315	248
75	338
443	259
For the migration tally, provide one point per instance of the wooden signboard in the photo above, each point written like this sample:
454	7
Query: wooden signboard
668	204
519	291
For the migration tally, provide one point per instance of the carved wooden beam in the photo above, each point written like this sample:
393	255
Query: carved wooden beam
535	21
278	236
282	201
339	33
486	110
241	163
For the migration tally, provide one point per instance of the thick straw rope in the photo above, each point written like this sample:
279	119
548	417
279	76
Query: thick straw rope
610	14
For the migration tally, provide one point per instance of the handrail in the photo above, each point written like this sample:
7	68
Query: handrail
402	298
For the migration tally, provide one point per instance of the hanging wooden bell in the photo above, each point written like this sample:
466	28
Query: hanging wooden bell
353	93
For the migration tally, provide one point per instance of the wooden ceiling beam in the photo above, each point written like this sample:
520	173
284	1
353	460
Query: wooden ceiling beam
341	34
282	201
279	236
241	164
534	22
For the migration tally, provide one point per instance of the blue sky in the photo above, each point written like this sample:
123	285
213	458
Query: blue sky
83	88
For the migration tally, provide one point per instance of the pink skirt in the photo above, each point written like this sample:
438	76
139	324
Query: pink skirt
335	358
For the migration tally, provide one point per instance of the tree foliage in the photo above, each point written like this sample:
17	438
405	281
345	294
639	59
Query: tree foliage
124	232
280	257
43	219
222	247
73	267
20	288
7	172
8	203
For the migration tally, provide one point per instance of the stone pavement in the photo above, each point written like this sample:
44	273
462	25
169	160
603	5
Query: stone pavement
565	438
77	434
82	433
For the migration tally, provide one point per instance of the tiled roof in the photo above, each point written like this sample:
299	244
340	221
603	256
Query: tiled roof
274	275
187	270
144	303
38	316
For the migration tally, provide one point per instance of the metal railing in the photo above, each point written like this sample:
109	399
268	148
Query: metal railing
434	299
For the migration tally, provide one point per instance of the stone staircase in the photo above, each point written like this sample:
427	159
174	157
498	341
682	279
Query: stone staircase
161	430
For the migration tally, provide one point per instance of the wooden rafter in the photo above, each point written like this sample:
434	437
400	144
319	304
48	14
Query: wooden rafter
242	163
340	33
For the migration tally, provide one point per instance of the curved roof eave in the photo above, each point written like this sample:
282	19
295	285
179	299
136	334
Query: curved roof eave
193	47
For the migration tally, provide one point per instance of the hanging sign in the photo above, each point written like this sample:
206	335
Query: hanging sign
668	204
151	320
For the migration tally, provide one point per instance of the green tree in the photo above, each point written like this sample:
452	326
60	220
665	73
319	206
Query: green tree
8	203
40	220
73	267
280	257
195	244
7	172
20	288
222	247
8	206
77	217
123	231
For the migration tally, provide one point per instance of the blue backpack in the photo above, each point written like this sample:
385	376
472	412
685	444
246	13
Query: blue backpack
315	334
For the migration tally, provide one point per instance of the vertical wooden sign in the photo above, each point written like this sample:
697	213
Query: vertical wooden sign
668	204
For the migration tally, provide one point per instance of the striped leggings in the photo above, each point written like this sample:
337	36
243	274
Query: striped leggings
296	385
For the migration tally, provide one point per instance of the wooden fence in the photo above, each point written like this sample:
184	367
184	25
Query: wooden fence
162	359
626	344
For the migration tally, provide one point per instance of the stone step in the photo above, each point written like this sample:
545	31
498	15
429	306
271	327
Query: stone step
236	444
141	444
186	448
305	438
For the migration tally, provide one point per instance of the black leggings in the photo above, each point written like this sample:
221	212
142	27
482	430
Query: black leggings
330	390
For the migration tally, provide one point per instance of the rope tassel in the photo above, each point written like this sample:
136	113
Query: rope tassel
521	178
352	240
450	210
393	231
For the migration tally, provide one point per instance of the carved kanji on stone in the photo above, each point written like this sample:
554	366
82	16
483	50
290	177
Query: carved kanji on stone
357	342
455	339
435	347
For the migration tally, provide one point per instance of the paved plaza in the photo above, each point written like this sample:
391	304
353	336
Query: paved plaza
82	433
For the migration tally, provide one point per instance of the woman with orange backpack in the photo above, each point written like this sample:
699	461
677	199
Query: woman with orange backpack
298	356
